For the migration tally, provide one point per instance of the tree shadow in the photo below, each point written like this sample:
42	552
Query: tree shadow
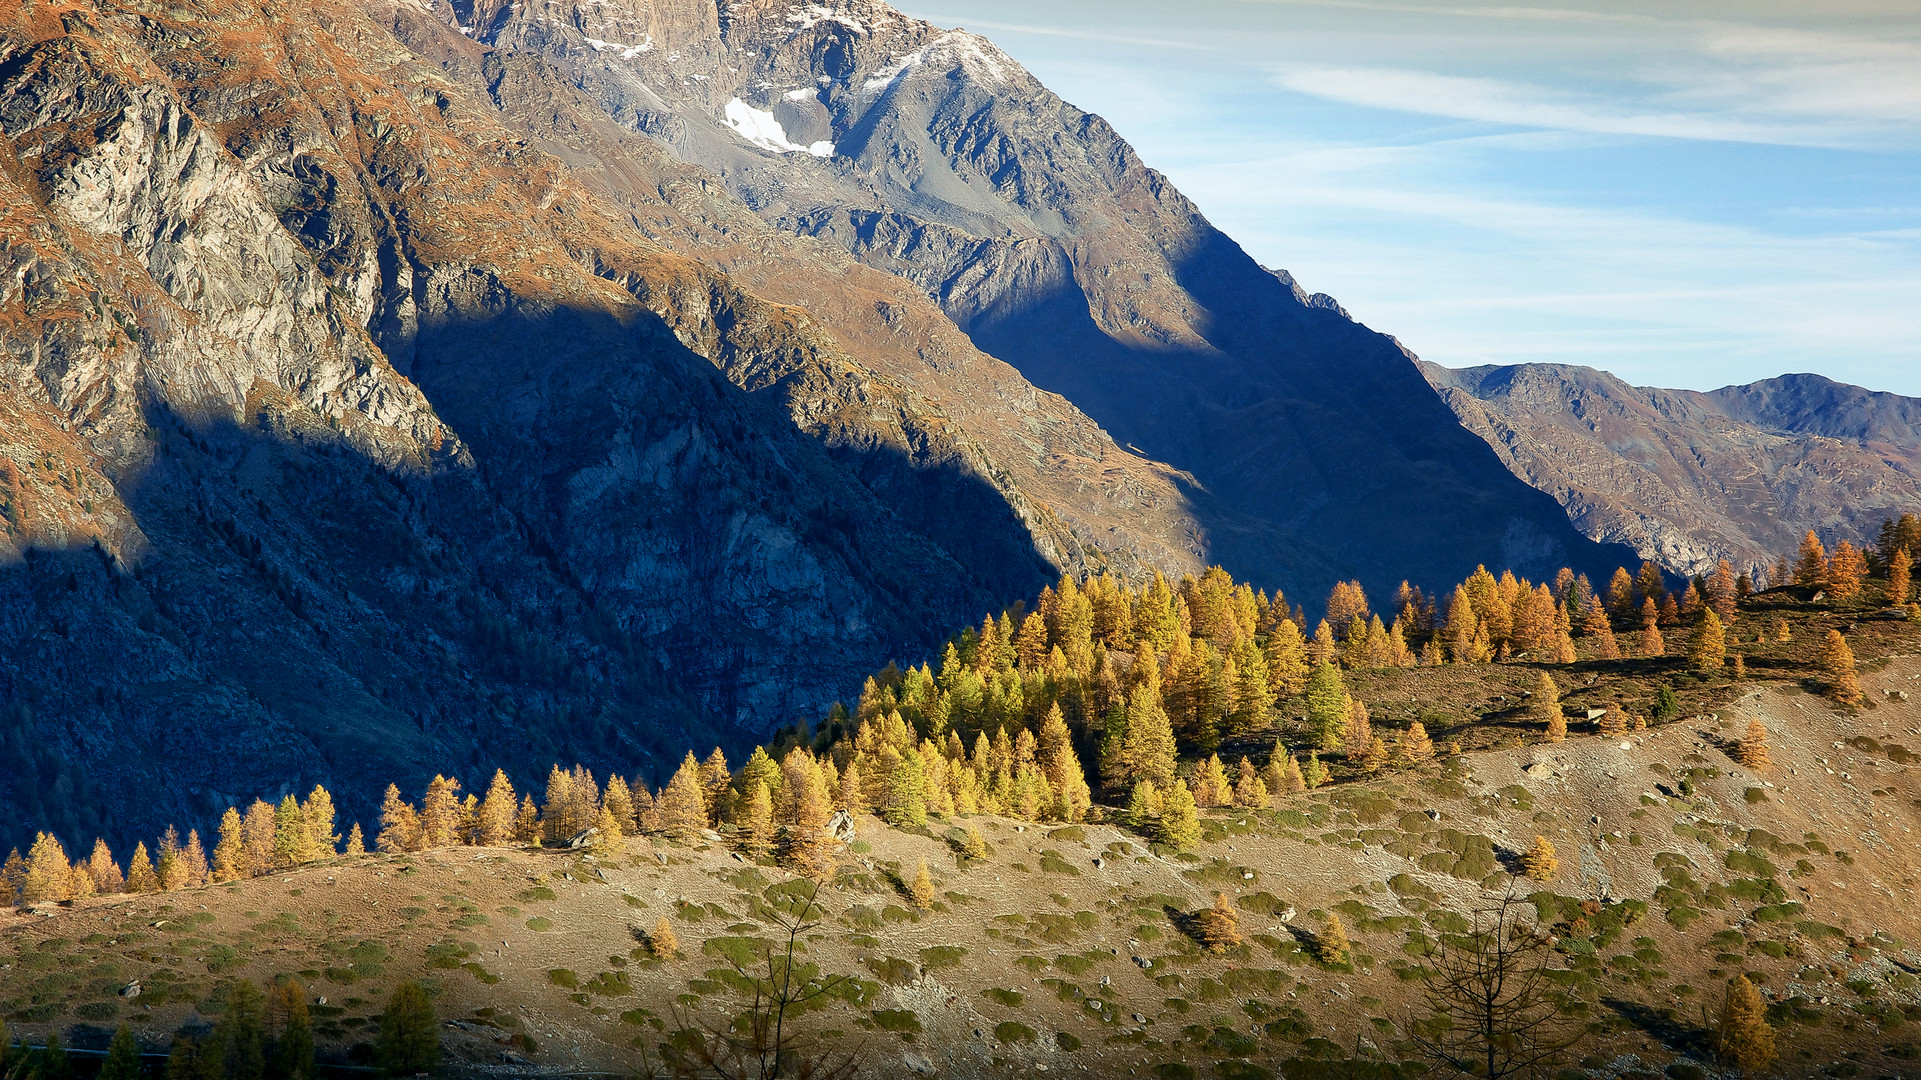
1665	1026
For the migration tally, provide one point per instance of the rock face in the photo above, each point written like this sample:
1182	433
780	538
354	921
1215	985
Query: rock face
1687	478
1308	446
350	433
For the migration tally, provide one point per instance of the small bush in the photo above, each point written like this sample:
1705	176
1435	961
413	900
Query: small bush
1009	1031
902	1022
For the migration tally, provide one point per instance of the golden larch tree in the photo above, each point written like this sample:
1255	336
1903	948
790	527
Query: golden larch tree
1837	663
497	811
1745	1040
1218	927
661	940
1811	568
1708	644
141	877
1546	708
921	889
1900	577
1331	945
1416	747
1538	861
1846	569
1752	750
230	851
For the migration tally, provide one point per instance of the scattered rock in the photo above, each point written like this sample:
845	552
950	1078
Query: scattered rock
131	990
583	838
841	827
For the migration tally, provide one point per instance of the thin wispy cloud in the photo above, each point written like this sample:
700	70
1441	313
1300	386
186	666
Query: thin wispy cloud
1497	101
1685	193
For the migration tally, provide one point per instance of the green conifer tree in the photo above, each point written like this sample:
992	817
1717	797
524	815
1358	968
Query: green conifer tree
1327	707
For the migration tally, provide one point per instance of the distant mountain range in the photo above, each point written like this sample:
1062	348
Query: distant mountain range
390	387
1688	478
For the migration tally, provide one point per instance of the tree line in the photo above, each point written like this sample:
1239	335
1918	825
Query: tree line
1145	684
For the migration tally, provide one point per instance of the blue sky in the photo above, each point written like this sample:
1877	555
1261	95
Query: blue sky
1686	194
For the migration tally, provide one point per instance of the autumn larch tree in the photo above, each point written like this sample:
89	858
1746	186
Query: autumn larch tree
1620	599
755	822
1415	747
1723	590
1752	750
661	940
682	806
1546	707
1218	927
1062	768
1652	643
1745	1040
1180	824
1600	634
1287	660
1900	577
1331	945
1708	644
1250	790
259	828
1837	663
1846	569
399	823
1614	721
497	811
1811	569
1538	861
141	877
49	875
105	872
319	813
921	889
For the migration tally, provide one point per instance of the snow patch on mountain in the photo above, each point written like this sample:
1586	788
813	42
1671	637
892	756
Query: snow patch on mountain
808	16
973	54
627	52
759	127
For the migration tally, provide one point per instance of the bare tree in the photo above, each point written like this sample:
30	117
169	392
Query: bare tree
1492	1011
761	1043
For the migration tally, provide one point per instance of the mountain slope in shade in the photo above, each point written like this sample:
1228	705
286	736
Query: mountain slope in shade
1688	478
1314	447
348	435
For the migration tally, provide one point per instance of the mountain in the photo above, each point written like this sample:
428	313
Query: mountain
1309	447
391	388
349	434
1688	478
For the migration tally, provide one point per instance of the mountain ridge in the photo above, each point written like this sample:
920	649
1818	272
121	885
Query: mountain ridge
1689	477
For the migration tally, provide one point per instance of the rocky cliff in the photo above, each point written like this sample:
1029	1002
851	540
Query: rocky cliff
1688	478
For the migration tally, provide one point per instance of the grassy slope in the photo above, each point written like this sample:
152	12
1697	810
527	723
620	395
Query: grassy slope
1691	882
